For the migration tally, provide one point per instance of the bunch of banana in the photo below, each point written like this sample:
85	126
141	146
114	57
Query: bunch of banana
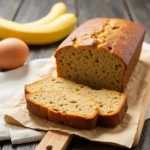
56	25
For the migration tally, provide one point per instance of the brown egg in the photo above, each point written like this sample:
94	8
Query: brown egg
13	53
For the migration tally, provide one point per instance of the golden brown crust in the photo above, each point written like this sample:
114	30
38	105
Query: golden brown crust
74	121
122	38
123	41
83	35
133	63
108	120
25	90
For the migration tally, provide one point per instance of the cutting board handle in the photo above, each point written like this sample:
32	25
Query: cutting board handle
55	140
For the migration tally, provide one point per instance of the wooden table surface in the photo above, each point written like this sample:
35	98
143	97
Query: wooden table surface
29	10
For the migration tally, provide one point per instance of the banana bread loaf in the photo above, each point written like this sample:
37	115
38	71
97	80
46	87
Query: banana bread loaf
112	104
101	53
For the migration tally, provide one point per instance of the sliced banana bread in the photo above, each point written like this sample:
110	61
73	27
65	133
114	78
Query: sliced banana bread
112	104
65	108
101	53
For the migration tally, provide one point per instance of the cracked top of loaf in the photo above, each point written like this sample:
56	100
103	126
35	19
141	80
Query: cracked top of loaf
120	37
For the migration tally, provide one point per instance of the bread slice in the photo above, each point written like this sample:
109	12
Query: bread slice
112	104
65	108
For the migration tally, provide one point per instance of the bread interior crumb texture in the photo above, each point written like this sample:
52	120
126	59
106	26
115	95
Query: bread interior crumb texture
107	100
95	68
65	103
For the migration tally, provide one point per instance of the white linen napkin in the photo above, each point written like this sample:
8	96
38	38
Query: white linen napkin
14	81
10	83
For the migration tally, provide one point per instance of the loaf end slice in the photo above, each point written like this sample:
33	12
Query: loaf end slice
64	108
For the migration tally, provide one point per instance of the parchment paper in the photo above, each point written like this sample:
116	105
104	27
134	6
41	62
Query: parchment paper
124	134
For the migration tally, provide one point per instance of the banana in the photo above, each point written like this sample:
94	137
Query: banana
56	11
38	35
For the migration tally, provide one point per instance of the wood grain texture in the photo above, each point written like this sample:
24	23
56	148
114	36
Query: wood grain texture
54	140
140	12
8	146
8	8
144	143
32	10
97	8
71	6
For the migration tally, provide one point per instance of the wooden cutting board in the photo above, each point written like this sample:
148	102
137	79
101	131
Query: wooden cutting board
145	104
56	140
